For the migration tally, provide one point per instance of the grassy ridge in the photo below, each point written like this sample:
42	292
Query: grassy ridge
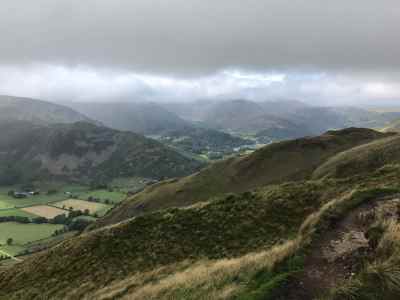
363	159
275	163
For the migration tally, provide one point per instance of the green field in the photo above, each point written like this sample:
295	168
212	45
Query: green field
113	197
11	250
82	192
10	202
15	212
25	233
22	234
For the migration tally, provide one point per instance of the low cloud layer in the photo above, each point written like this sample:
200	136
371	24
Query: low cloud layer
82	84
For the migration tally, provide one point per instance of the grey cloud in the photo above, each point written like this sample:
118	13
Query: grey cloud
57	83
195	37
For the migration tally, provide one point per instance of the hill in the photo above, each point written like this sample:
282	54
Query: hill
256	245
139	117
392	127
275	163
84	151
363	159
244	117
37	111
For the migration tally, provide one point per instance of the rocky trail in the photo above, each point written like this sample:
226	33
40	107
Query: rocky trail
340	253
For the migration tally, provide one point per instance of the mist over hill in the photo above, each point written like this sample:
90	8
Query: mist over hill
278	119
37	111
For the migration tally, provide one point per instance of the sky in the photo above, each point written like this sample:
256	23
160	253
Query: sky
323	52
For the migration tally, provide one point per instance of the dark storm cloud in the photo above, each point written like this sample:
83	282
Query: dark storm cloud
194	37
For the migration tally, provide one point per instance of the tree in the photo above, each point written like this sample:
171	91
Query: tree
10	241
60	219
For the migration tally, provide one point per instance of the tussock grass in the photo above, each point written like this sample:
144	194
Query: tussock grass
258	275
380	278
206	279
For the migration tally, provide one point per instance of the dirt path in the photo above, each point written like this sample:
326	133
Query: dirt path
339	253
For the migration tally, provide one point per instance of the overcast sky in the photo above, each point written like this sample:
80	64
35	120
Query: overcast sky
342	51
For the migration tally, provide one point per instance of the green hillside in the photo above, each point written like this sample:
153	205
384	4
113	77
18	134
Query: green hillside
83	151
363	159
275	163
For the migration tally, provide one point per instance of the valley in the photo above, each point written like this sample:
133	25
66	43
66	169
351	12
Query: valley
233	210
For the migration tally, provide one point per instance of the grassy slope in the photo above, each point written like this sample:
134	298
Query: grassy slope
276	163
392	127
228	227
363	159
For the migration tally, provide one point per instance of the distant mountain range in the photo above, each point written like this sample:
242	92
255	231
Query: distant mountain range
280	119
45	139
154	120
142	117
265	121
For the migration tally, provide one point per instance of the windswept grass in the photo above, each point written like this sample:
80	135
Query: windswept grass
380	278
220	279
255	276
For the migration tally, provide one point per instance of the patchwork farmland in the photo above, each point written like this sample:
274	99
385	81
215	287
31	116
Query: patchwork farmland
45	211
32	223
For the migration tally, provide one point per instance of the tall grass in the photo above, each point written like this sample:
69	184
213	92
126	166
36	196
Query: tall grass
252	276
380	278
206	279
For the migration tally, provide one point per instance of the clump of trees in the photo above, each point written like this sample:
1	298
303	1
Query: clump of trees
23	220
98	200
70	222
67	221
